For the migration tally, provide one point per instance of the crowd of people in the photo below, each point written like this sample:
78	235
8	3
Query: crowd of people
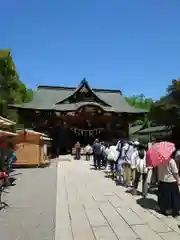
126	163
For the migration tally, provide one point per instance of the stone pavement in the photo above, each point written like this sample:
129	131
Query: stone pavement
90	206
32	205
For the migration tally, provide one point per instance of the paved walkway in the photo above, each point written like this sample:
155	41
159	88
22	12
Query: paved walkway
32	205
90	206
74	202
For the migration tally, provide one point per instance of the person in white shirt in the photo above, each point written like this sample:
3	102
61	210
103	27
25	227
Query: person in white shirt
110	157
115	155
169	181
141	170
127	152
121	148
88	152
133	160
112	154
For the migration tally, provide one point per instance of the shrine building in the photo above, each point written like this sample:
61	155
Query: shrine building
71	114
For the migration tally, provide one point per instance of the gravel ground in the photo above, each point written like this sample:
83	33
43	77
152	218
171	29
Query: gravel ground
32	205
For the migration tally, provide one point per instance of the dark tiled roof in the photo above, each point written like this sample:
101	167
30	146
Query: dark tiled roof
154	129
46	98
135	129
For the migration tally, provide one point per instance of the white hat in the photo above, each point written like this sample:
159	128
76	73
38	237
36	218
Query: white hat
136	143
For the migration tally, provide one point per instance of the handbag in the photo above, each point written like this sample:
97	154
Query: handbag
110	156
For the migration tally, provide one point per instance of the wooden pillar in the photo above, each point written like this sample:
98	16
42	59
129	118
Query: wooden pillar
108	131
126	125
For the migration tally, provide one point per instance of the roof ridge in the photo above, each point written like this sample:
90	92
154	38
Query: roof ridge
74	88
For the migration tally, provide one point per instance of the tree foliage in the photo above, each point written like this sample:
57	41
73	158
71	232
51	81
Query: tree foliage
12	90
166	110
140	101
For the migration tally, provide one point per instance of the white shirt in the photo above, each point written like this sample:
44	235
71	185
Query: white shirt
166	171
118	145
114	151
129	154
124	149
88	149
133	159
107	150
139	163
177	156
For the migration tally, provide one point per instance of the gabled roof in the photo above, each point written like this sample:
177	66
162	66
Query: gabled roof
135	129
84	86
53	98
154	129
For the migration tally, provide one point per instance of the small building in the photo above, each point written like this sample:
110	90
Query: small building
70	114
150	134
31	148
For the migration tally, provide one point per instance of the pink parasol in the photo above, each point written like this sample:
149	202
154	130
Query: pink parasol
159	153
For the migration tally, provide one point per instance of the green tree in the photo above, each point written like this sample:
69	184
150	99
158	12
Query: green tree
12	90
140	101
167	109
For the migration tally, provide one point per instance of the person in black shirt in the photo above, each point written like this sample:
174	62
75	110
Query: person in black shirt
97	154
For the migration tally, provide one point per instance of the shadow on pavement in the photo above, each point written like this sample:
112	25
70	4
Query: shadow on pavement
92	165
93	168
131	191
147	203
15	174
109	176
153	191
3	205
12	181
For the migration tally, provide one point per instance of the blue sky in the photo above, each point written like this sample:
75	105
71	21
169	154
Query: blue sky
132	45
